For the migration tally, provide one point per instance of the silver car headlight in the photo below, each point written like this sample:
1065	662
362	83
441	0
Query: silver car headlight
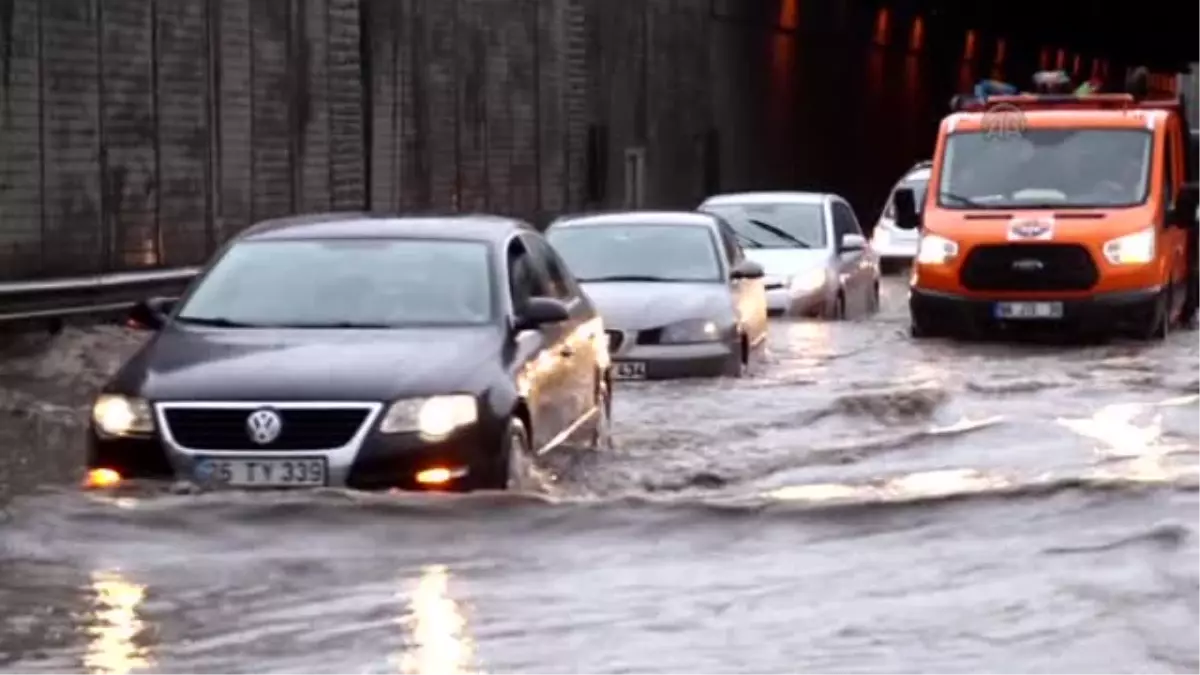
691	331
433	417
807	282
116	415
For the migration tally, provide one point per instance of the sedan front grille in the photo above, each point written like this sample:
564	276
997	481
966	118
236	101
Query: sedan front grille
1029	267
201	428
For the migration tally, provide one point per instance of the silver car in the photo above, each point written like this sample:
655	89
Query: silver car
896	247
816	259
675	291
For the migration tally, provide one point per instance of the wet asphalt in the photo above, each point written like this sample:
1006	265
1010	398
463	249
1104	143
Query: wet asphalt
860	503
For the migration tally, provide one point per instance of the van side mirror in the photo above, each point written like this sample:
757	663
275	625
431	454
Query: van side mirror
541	311
150	314
1183	214
905	205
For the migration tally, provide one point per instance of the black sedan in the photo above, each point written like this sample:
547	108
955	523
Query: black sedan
360	351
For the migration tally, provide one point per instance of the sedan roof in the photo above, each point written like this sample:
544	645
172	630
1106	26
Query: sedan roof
636	218
775	197
477	227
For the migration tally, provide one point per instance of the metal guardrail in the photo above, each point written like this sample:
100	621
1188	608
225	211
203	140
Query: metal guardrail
62	298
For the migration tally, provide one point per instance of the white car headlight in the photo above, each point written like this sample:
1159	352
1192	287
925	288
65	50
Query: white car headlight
433	417
691	331
935	250
809	281
117	415
1132	249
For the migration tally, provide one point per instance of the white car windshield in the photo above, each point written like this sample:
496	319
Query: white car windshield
638	252
346	283
778	225
1046	168
918	187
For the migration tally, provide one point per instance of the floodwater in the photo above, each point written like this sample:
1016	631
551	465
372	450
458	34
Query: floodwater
860	503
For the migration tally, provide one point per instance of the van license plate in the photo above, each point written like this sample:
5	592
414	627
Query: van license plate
629	370
1029	310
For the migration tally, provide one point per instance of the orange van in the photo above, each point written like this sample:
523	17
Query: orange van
1056	211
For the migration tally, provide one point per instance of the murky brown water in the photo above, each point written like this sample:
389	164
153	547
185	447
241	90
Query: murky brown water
861	503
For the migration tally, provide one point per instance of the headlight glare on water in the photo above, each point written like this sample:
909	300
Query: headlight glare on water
117	415
432	417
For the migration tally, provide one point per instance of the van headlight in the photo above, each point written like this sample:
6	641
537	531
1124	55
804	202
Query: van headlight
1132	249
935	250
691	331
116	415
809	281
433	417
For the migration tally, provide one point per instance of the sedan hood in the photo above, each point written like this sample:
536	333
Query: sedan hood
787	261
636	305
373	365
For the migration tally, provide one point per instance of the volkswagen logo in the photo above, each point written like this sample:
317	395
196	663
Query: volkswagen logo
1027	265
264	426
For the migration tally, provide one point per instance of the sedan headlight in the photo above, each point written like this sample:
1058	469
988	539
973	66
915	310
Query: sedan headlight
691	331
809	281
1132	249
116	415
433	417
935	250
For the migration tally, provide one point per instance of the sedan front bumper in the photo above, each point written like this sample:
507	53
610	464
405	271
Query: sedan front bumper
370	461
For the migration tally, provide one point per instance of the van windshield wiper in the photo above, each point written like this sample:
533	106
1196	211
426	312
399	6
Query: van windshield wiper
965	201
216	322
778	232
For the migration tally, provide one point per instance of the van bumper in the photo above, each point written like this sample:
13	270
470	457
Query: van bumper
1132	310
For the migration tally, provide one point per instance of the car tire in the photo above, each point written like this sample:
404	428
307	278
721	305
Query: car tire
839	308
738	364
509	471
1161	327
602	434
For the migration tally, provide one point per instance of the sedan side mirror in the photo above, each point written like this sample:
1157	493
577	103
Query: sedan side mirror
747	269
541	311
150	314
905	205
1183	214
852	242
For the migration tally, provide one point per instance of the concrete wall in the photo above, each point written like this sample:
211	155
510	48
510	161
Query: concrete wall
138	133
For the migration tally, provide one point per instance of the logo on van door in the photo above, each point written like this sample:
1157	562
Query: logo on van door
1003	121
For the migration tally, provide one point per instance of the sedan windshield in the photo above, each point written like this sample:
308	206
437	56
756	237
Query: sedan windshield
780	225
1046	168
638	252
345	283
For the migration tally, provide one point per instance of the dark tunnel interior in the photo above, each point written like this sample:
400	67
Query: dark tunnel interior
850	96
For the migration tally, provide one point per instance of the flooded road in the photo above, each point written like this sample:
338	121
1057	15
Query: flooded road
861	502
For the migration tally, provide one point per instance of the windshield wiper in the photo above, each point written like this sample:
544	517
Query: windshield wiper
216	322
965	201
332	324
626	277
754	243
782	234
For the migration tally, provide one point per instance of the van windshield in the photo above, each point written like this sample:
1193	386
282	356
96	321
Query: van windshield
1046	168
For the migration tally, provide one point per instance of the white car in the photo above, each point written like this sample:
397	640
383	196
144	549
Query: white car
810	245
894	246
